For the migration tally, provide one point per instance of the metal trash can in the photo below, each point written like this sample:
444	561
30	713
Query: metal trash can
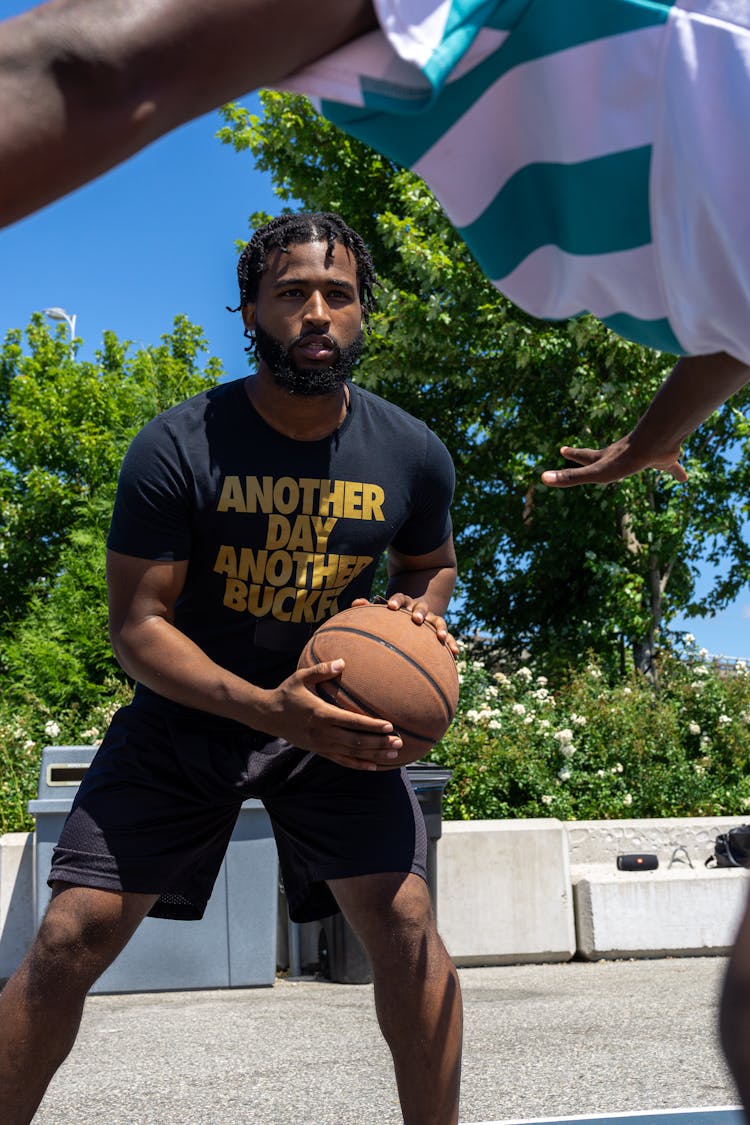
340	955
232	946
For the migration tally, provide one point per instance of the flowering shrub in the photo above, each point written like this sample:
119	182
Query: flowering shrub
594	750
519	746
25	730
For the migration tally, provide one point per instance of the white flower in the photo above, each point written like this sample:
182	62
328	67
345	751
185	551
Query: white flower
701	670
567	749
518	709
477	666
741	667
746	802
689	639
495	724
524	674
627	691
541	694
697	685
578	720
563	736
627	799
564	774
500	678
491	692
617	767
542	681
601	773
460	666
93	734
694	728
703	653
724	719
594	672
472	715
29	744
51	729
544	724
529	719
547	799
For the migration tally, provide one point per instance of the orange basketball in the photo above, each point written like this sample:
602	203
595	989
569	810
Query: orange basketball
395	670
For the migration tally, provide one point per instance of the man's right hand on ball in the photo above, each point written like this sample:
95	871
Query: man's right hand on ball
298	714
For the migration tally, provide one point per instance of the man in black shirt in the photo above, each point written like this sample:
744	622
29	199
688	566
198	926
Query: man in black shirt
244	518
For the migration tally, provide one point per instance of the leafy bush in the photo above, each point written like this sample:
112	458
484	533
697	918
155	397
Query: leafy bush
587	749
64	427
26	727
598	750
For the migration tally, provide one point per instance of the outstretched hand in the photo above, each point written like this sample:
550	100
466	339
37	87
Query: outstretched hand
696	386
615	462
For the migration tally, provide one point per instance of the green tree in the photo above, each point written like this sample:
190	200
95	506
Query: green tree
557	572
65	428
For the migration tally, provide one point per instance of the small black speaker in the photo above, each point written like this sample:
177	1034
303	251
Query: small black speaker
638	861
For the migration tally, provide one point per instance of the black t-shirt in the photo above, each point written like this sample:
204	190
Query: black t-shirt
279	534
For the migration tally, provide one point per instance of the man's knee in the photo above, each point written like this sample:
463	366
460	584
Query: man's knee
392	914
80	935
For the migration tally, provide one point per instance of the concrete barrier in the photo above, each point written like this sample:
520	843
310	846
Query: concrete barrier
600	841
681	909
659	913
528	890
504	892
16	899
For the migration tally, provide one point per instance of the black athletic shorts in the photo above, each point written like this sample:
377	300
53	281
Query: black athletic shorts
157	807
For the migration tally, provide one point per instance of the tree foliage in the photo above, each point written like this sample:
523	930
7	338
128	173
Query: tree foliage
64	428
556	572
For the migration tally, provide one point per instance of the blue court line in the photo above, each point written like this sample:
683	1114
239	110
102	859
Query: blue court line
713	1115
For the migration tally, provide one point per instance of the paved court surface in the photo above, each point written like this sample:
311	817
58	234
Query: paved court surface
541	1041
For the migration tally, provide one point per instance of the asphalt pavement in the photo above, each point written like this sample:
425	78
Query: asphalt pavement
541	1041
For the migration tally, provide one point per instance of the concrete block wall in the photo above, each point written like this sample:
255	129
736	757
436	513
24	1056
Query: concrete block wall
16	899
527	890
601	841
504	891
680	909
662	913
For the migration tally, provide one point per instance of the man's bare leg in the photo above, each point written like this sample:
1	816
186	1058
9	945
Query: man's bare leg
41	1005
734	1017
83	86
417	994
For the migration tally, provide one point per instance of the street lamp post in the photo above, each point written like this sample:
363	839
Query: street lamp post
57	313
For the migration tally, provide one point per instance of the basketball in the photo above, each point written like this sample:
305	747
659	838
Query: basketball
395	670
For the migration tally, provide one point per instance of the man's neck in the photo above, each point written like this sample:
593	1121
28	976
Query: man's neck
300	417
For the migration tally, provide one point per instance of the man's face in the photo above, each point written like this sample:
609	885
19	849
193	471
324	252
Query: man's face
307	317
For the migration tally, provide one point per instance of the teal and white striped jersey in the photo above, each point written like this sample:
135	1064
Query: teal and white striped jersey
593	154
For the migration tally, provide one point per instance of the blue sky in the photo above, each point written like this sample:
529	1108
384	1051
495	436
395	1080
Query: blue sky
154	238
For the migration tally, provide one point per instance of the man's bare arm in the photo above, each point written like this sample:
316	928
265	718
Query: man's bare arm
142	597
695	388
84	84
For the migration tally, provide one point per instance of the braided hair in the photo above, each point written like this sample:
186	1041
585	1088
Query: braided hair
301	228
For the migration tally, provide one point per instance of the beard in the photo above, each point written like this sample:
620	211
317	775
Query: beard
297	380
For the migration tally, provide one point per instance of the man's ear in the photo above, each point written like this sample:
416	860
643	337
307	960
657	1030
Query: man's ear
248	316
